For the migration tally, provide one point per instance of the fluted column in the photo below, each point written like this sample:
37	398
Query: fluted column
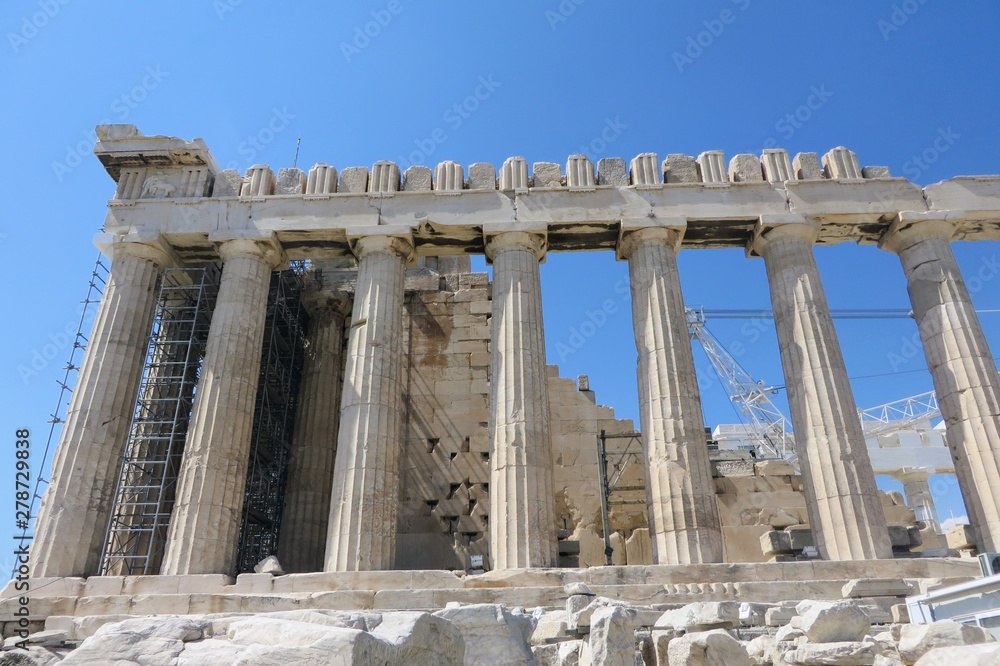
680	494
917	489
522	501
361	535
845	511
302	543
961	363
73	516
205	523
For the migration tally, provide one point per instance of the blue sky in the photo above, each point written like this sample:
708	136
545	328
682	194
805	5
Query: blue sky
909	84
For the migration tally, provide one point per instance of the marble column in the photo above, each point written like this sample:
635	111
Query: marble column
302	543
845	511
961	363
361	535
74	513
917	489
522	499
680	494
205	523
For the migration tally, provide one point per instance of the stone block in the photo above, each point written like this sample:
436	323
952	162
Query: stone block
259	181
612	171
645	170
417	179
875	172
579	172
354	180
835	622
483	176
45	587
612	636
841	163
777	616
900	614
385	177
449	177
291	181
806	166
878	587
775	542
731	468
840	653
899	536
961	537
514	174
547	174
491	632
639	547
916	640
708	647
745	168
322	179
801	537
103	586
700	616
777	165
774	468
678	168
227	184
712	167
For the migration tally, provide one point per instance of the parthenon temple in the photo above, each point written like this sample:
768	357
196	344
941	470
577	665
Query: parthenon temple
303	364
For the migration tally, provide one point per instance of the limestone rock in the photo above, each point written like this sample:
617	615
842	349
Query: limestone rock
482	176
831	622
760	649
227	184
612	636
211	652
291	181
549	627
566	653
577	588
269	564
354	180
707	648
834	654
661	643
493	635
582	617
678	168
421	639
417	179
878	587
612	171
974	655
788	634
875	172
745	168
961	537
806	166
547	174
151	641
702	615
915	640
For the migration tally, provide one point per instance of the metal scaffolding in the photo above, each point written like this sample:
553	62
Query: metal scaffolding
274	418
144	496
612	465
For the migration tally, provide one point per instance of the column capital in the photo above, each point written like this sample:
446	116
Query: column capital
400	245
908	228
263	247
634	232
774	227
141	245
497	242
322	303
913	474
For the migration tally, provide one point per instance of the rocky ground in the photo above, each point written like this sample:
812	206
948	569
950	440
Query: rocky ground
590	630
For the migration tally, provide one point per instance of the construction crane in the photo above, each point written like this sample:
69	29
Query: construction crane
768	430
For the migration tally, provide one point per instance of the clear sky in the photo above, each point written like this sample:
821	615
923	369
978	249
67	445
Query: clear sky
910	84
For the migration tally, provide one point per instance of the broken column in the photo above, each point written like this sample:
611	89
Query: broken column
960	361
522	499
361	535
74	513
205	524
302	542
845	512
683	514
917	489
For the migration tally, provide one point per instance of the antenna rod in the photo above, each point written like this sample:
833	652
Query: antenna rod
298	142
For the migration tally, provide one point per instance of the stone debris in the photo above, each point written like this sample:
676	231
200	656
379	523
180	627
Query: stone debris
607	632
269	564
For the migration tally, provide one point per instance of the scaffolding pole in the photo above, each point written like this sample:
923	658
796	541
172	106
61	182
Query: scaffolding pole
144	496
611	466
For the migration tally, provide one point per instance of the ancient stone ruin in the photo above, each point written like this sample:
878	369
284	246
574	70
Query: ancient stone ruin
303	365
